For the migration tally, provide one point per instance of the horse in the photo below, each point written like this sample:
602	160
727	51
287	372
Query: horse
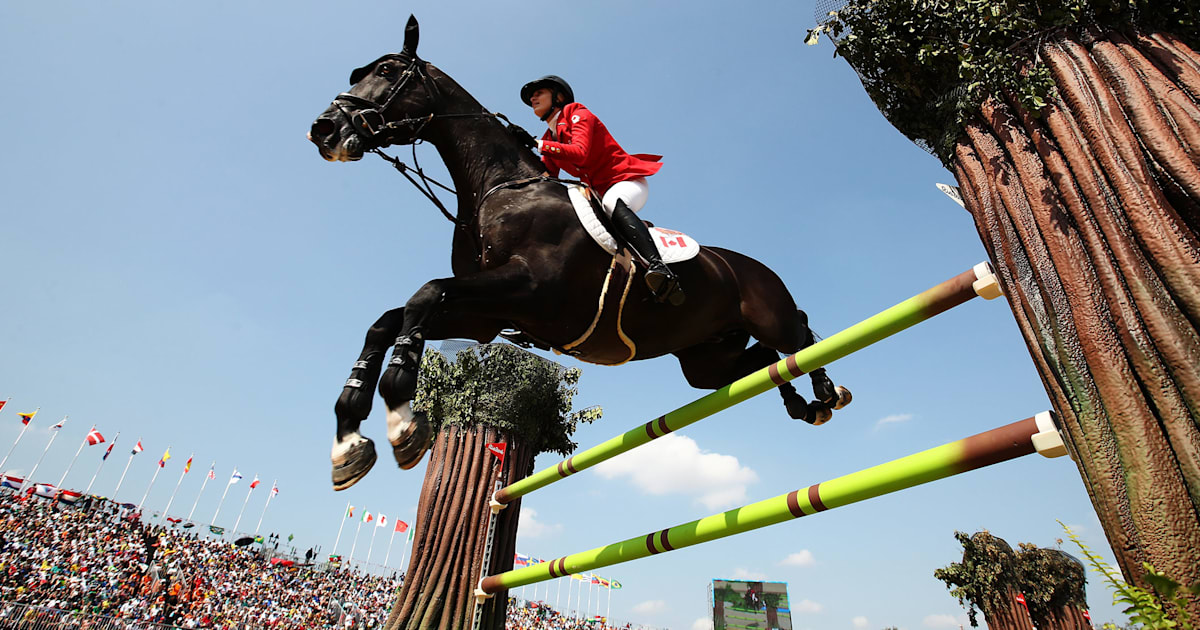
521	261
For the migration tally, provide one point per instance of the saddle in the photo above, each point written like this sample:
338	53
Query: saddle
604	342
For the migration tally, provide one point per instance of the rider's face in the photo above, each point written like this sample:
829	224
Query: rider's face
541	101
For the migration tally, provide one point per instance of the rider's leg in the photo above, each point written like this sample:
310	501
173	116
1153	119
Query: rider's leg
621	201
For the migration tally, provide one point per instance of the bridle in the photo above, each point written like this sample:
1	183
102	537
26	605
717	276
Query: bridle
371	125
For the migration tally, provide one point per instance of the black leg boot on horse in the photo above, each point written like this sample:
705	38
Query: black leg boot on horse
409	432
663	283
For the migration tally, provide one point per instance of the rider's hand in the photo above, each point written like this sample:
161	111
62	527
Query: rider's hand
523	137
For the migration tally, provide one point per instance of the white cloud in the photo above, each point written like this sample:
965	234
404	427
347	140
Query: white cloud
895	418
941	621
703	623
807	606
860	622
748	576
674	464
651	607
530	527
802	558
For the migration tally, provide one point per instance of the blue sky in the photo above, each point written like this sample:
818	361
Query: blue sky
179	264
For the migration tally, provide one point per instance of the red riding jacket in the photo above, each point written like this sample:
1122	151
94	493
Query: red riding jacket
586	150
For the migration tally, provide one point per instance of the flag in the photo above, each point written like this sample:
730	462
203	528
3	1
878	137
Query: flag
401	526
216	530
258	539
45	490
94	437
604	583
520	560
235	477
290	537
60	424
595	580
187	466
2	403
411	531
254	484
498	449
368	517
212	471
137	448
108	451
382	521
274	489
176	521
350	512
576	576
162	463
615	585
69	497
10	481
26	417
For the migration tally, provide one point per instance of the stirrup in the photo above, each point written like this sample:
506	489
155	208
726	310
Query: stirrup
664	284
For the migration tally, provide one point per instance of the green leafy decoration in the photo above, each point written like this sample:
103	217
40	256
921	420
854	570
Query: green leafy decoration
506	387
929	64
1162	608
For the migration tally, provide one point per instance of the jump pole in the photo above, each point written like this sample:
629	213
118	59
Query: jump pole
979	280
1024	437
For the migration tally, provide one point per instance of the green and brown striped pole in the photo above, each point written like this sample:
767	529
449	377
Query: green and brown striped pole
1008	442
934	301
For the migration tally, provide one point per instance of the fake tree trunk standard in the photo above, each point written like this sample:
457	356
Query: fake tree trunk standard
1081	172
987	579
490	394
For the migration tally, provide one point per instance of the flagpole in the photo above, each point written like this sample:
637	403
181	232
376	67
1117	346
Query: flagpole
244	502
408	539
356	530
345	515
103	460
264	514
222	501
370	549
609	611
557	593
391	539
197	502
177	484
72	464
156	471
24	427
29	478
114	496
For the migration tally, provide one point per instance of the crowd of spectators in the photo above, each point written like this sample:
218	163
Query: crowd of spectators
101	559
523	615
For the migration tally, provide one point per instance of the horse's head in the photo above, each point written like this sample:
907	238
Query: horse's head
389	102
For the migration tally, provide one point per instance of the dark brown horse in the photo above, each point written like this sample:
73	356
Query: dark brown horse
522	260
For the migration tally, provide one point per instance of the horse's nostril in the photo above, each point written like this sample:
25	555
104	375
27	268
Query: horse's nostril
322	127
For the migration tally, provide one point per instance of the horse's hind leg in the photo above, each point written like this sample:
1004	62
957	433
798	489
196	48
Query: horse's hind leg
717	364
353	455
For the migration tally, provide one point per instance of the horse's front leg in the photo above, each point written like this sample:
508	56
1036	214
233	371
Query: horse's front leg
473	306
353	455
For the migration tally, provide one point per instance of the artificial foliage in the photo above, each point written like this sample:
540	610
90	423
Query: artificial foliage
503	386
986	577
929	64
1052	581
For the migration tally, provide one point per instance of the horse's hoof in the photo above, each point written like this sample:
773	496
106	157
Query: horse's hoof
352	463
411	439
818	413
843	397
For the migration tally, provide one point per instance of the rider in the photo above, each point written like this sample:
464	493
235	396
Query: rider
579	143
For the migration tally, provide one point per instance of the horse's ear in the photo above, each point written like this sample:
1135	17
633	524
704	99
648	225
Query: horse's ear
412	33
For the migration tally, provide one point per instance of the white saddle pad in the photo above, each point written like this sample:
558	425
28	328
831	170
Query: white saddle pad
672	246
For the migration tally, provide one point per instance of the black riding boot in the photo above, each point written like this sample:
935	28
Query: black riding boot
659	278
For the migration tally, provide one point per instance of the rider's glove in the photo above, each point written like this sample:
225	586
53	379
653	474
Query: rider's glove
523	136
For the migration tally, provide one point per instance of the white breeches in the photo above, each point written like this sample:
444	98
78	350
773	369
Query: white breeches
632	191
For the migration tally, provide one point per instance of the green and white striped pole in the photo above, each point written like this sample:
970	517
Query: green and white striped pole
1018	439
976	281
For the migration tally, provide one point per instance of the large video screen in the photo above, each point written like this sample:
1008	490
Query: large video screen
740	604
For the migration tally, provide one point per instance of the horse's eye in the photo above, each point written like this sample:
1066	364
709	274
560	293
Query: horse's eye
385	69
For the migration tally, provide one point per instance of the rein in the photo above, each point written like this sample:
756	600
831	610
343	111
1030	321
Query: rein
370	124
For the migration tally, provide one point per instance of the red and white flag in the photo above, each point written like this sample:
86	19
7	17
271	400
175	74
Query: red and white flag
212	471
368	517
401	526
94	437
254	484
274	489
382	521
60	424
137	448
498	449
4	402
